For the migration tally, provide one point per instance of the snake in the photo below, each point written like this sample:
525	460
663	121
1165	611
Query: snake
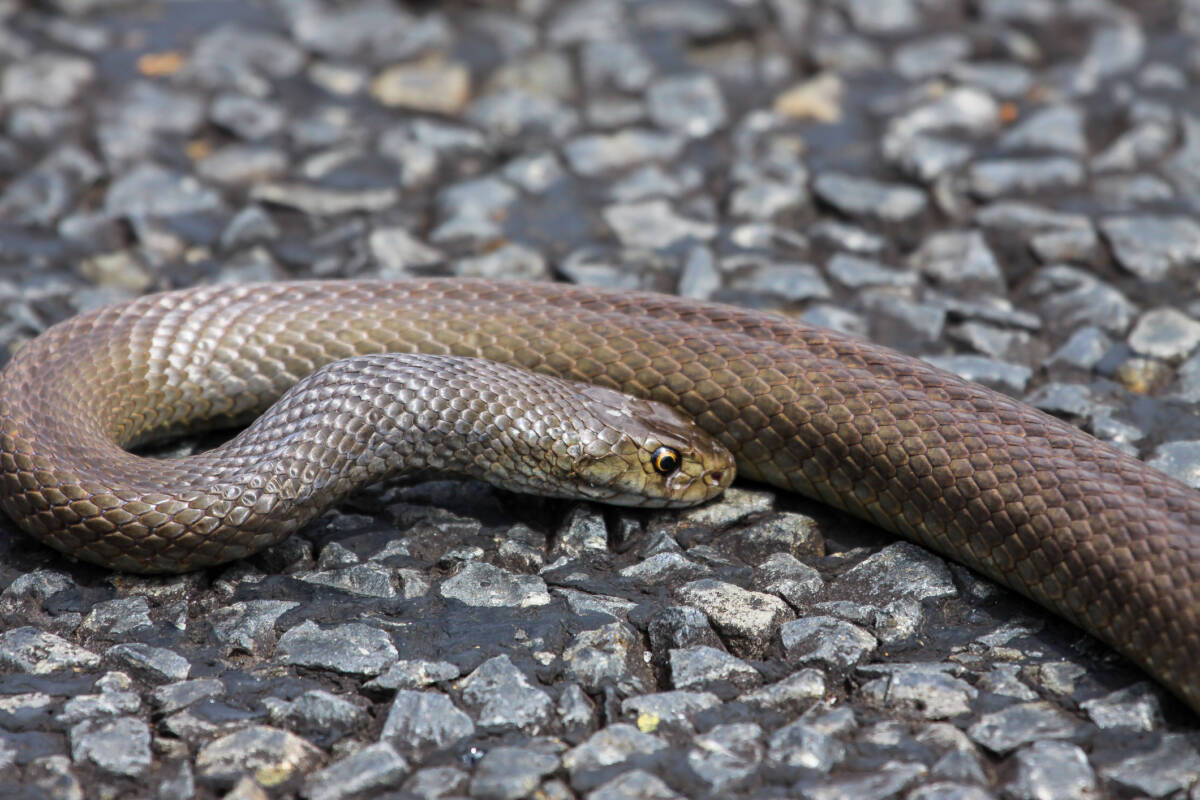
1027	499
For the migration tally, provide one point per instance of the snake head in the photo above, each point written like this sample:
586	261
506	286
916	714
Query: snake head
643	453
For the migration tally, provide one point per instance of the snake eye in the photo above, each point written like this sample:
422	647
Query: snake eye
665	460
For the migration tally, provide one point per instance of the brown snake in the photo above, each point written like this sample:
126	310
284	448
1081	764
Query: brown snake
1084	529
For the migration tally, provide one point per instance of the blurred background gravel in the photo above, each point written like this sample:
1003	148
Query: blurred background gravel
1008	188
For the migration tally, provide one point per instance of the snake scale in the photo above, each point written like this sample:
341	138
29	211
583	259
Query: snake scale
1028	500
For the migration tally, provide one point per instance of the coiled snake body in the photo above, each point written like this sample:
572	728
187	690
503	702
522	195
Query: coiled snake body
1084	529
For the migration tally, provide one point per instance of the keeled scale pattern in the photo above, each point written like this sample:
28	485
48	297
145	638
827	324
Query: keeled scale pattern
1032	502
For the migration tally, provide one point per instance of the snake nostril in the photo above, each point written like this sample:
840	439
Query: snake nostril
715	476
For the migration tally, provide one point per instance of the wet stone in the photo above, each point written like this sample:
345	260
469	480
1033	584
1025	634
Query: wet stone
998	177
1005	730
372	769
155	664
608	752
689	104
1165	333
864	197
422	721
483	585
319	716
509	773
707	669
352	648
118	745
276	755
1151	247
725	756
673	709
502	698
746	620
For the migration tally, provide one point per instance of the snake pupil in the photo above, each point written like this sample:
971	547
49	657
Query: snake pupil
665	460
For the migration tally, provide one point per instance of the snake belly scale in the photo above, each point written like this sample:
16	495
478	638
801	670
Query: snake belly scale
1030	501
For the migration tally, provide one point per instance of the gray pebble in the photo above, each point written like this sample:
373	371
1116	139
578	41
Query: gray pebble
319	716
1074	297
918	691
608	656
149	190
897	571
155	664
1006	730
247	117
799	744
727	755
637	784
48	79
1151	247
1135	708
322	201
1002	375
747	620
608	751
515	113
502	698
374	768
993	178
855	271
688	104
179	695
1165	333
855	196
959	257
510	773
654	224
1180	460
595	154
351	648
118	618
888	781
930	56
363	580
249	625
480	584
674	709
397	251
827	641
1171	765
1057	127
118	745
421	721
259	747
705	668
413	674
793	282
